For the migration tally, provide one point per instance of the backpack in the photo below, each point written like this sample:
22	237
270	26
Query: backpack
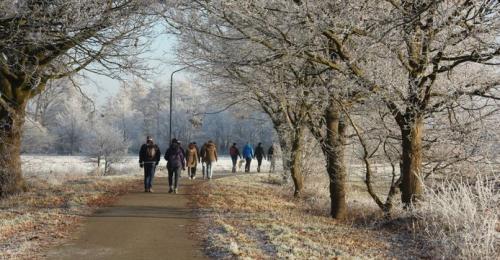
233	151
150	152
174	158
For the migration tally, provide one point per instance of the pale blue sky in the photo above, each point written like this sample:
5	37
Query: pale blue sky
160	57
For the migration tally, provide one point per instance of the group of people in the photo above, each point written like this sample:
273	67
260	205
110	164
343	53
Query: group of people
177	160
249	154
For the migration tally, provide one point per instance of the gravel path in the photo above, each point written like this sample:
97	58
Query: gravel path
139	226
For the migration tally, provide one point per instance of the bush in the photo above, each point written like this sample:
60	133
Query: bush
459	219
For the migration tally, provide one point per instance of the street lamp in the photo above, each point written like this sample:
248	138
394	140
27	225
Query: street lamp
171	101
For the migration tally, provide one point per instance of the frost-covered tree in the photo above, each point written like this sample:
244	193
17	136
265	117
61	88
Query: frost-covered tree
104	143
43	40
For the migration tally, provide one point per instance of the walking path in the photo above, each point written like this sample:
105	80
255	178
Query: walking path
139	226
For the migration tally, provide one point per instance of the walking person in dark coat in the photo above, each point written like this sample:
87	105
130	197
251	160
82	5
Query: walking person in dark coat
234	153
149	157
175	162
202	154
271	158
259	154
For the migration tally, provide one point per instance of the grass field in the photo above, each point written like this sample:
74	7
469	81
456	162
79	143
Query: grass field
251	217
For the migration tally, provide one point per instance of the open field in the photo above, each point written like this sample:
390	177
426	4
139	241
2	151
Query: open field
252	217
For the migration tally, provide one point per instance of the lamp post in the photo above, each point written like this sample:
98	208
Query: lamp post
171	101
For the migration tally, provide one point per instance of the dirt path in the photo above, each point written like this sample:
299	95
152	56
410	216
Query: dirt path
139	226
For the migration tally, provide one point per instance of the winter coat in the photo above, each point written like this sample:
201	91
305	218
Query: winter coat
198	152
144	155
210	153
270	152
191	156
259	152
203	152
175	157
234	152
248	151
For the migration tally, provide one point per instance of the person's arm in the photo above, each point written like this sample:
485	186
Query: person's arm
141	156
215	153
183	160
158	155
166	155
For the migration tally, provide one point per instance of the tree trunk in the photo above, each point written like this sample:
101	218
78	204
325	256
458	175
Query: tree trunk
296	160
334	153
411	160
11	180
286	153
292	143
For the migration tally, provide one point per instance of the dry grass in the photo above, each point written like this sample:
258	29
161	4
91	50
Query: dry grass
248	216
460	219
49	213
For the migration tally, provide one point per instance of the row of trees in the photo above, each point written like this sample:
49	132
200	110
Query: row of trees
62	120
410	78
404	74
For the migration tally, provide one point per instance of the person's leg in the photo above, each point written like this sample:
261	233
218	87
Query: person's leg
235	159
170	179
247	164
203	169
209	170
177	173
152	176
193	172
146	176
259	163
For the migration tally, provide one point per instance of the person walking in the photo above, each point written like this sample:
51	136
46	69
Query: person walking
271	158
234	153
203	151
149	157
248	155
175	162
259	154
191	160
210	157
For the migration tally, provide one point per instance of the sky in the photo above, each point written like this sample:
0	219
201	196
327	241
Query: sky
160	57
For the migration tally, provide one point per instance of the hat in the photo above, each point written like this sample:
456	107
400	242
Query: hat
175	141
149	138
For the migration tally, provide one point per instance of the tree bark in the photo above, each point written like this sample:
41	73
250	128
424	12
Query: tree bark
11	123
292	143
334	152
411	160
296	160
286	153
